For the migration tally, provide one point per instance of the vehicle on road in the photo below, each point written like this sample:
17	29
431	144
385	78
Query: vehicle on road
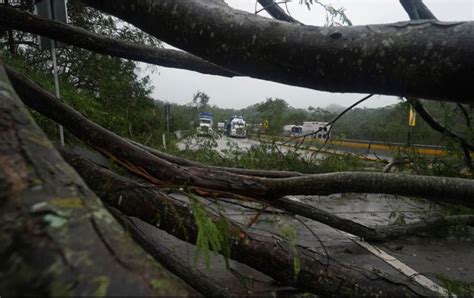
292	130
205	123
220	126
235	127
321	129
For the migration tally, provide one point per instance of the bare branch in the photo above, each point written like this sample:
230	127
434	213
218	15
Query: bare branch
358	59
276	11
270	254
366	232
24	21
453	190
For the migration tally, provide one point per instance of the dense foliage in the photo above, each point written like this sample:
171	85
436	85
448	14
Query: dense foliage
108	90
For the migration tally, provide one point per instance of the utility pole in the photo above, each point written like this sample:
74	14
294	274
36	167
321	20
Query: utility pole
55	10
167	115
56	85
168	112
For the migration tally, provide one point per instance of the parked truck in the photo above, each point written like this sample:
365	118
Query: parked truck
205	123
220	126
292	130
235	127
321	129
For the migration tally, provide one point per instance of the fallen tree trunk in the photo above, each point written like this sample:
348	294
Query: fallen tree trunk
157	170
367	233
167	258
440	189
362	59
27	22
371	233
56	239
267	253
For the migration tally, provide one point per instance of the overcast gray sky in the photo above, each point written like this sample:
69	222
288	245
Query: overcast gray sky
178	86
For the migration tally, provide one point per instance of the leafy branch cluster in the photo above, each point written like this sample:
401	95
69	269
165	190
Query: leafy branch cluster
334	16
212	236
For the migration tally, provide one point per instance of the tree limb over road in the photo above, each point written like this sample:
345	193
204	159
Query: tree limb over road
425	59
76	36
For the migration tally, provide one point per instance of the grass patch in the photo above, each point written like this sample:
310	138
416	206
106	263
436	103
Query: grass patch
458	287
267	157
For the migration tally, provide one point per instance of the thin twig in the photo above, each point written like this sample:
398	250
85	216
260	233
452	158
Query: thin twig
330	123
466	115
255	218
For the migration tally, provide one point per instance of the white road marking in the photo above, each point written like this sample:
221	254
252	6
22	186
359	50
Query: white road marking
405	269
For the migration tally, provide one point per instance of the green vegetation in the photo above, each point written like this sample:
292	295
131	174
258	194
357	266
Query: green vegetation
105	89
451	165
458	287
268	157
211	236
290	234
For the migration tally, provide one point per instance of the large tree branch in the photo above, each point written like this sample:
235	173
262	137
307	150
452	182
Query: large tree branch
141	162
367	233
427	59
432	188
416	9
24	21
267	253
410	8
370	233
56	237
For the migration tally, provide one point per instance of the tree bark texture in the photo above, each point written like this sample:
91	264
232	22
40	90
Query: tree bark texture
185	270
24	21
267	253
160	171
56	239
425	59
